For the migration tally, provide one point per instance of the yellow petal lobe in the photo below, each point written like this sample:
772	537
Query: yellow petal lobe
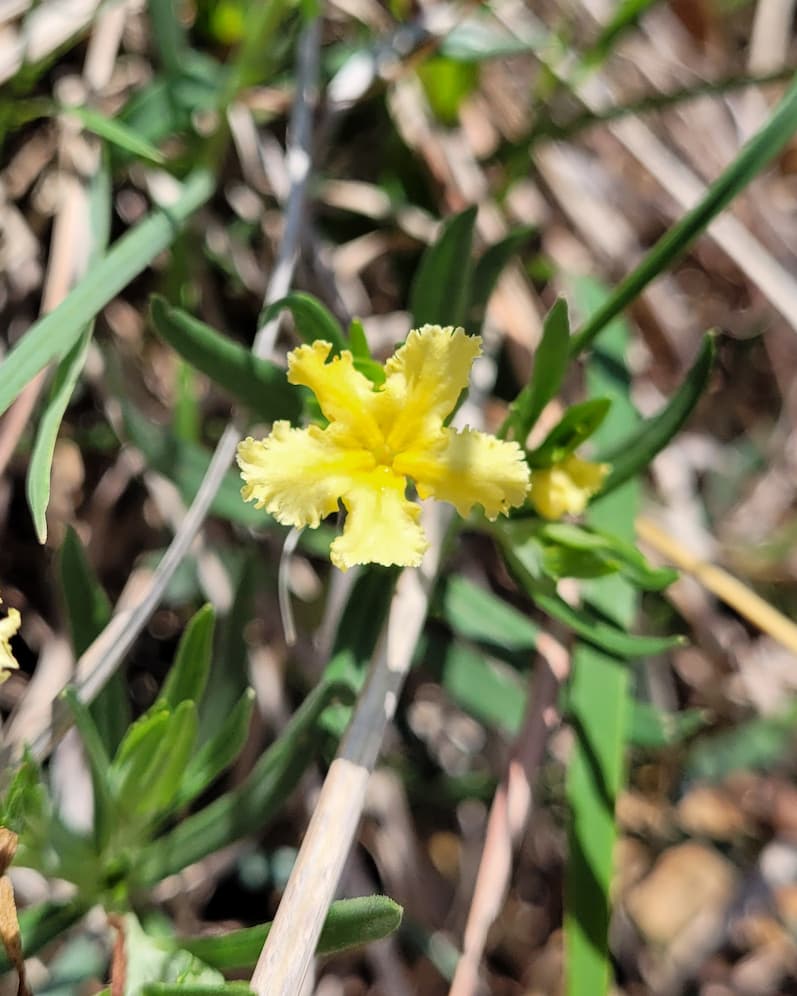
8	628
381	524
297	475
424	379
565	488
469	468
345	395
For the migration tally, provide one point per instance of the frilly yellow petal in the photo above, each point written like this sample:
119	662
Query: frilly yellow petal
345	395
8	628
424	379
565	488
381	524
469	468
297	475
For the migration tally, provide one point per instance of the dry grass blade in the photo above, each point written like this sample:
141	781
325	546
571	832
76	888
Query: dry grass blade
289	949
511	810
719	582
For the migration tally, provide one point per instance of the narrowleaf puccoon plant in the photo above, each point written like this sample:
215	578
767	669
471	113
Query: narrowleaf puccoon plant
378	438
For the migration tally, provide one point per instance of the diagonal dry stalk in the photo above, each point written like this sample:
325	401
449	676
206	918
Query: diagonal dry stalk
291	943
511	809
106	653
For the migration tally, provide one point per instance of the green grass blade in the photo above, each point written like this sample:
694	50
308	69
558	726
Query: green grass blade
41	459
755	155
52	336
349	923
117	133
70	367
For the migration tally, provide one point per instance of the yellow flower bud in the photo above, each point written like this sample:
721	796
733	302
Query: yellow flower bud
566	487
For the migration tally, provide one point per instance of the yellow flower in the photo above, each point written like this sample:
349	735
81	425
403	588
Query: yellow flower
566	487
376	439
8	628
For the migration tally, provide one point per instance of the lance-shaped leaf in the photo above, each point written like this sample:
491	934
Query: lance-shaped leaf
258	384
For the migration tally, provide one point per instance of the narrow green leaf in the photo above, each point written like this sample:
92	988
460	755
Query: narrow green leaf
363	361
250	807
349	923
599	700
99	765
756	154
136	753
88	608
313	320
42	923
116	132
488	269
228	679
603	635
257	383
496	697
652	728
576	426
147	775
52	336
169	35
217	753
88	611
616	553
477	614
159	787
41	459
441	287
757	744
70	367
632	455
550	365
358	340
188	675
625	16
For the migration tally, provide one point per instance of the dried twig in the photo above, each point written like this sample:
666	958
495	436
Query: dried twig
721	584
511	809
291	944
